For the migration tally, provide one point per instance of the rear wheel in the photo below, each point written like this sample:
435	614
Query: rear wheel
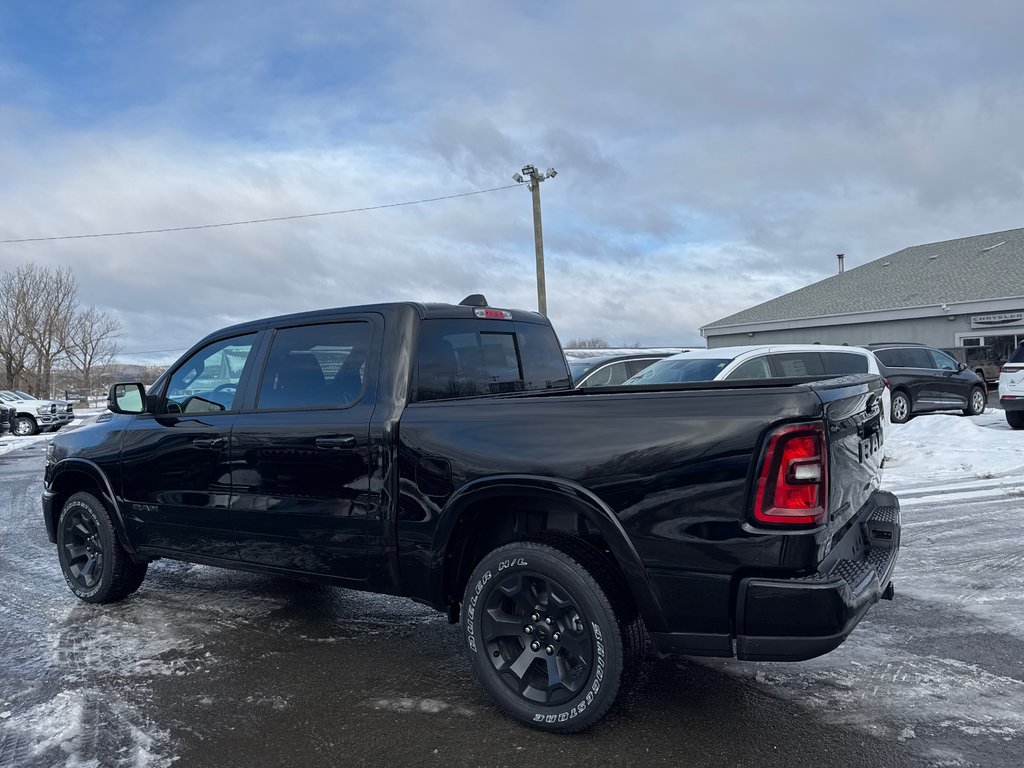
976	403
95	565
1015	419
900	407
551	633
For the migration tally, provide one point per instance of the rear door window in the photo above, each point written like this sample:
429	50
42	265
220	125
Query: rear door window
316	366
842	363
917	357
797	364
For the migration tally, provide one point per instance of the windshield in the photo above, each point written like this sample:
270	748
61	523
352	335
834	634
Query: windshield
673	371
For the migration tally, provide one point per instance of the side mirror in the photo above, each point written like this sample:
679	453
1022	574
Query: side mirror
127	398
961	367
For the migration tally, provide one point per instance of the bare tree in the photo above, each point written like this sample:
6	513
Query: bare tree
92	343
15	350
594	343
50	312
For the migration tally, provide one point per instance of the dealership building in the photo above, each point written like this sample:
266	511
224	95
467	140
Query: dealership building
966	292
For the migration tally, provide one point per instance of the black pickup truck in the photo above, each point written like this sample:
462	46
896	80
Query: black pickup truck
438	452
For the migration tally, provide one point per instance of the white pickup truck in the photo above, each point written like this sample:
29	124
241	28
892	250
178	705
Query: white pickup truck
35	415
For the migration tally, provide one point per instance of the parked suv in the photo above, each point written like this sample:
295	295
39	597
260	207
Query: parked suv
1011	388
922	378
761	361
607	368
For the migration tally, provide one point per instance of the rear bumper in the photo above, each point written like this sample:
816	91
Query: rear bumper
797	619
1011	403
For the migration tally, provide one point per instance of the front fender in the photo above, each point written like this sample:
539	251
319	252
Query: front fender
62	483
565	493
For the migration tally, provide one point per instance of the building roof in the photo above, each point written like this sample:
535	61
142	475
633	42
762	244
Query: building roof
976	268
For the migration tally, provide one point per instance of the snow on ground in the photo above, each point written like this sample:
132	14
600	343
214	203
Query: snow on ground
11	442
937	449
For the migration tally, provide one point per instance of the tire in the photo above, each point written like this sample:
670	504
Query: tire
1015	419
900	407
95	565
24	426
976	402
551	633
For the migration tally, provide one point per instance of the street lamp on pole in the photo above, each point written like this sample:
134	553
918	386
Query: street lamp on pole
533	177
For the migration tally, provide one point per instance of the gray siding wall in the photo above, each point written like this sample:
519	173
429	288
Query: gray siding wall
935	331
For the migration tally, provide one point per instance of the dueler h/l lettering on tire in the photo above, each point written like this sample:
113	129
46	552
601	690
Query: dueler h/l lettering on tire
95	565
551	633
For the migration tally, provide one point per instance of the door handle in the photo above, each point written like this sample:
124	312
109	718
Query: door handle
208	442
339	443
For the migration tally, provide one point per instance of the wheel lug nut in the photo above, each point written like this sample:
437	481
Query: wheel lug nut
557	636
528	629
550	649
534	646
535	617
548	620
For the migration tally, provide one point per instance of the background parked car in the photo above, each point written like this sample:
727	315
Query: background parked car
610	368
7	416
762	362
923	379
1011	389
983	360
32	415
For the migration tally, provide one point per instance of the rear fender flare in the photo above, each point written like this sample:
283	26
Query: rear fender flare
565	492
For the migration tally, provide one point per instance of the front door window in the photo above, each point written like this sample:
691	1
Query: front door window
207	382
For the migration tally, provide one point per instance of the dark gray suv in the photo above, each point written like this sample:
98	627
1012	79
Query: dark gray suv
922	379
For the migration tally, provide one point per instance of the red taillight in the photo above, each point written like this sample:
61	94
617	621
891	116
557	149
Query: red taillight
793	484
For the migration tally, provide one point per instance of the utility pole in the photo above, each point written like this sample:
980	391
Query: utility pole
534	177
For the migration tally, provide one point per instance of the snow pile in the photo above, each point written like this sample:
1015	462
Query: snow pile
941	448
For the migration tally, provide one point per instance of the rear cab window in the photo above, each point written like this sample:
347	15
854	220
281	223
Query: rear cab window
461	358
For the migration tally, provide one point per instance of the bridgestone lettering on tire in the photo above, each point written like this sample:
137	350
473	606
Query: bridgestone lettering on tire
95	565
552	636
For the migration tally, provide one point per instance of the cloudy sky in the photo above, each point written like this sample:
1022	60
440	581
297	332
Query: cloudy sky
710	155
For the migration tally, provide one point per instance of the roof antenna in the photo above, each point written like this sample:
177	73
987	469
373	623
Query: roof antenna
474	300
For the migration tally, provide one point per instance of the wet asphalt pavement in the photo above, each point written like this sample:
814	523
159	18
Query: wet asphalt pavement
205	667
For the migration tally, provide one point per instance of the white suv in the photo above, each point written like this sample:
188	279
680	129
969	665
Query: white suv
1011	388
763	362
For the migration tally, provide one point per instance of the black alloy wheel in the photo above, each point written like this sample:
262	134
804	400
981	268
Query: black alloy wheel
551	633
95	565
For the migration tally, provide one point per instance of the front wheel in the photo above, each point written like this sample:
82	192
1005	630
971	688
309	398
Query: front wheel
551	633
95	565
900	408
24	426
976	403
1015	419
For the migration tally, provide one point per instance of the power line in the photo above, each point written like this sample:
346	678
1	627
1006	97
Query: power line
254	221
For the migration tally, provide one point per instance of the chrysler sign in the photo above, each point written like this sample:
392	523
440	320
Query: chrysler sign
1002	318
